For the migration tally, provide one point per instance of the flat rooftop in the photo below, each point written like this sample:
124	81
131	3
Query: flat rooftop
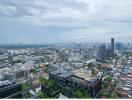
62	73
79	76
82	74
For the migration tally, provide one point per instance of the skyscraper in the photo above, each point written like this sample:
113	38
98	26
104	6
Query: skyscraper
83	54
101	53
112	47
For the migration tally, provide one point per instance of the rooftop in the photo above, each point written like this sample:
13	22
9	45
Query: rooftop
84	74
62	73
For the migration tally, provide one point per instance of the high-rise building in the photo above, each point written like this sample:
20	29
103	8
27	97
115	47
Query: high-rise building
108	53
90	52
83	54
120	47
101	53
87	54
112	47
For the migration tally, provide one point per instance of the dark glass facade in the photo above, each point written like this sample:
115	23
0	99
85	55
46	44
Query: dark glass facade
11	90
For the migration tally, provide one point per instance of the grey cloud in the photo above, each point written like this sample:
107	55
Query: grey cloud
90	16
7	10
71	11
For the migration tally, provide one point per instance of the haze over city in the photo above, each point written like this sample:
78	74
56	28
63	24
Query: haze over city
45	21
65	49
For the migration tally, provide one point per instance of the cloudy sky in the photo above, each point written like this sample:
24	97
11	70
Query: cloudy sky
41	21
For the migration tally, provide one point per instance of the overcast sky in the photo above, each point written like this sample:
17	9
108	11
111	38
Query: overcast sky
40	21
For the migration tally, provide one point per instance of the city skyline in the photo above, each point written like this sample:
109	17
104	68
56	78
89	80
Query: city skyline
39	21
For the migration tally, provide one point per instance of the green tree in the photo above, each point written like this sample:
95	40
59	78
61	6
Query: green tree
52	88
106	94
25	86
33	70
105	84
86	95
42	95
109	79
78	94
27	96
43	80
50	83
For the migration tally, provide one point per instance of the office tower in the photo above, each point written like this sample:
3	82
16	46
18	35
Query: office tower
112	47
91	53
101	53
120	47
83	54
108	53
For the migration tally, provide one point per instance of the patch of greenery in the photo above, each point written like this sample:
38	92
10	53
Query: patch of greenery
42	95
106	94
52	89
109	79
80	94
25	86
91	65
50	83
105	84
43	80
27	96
33	71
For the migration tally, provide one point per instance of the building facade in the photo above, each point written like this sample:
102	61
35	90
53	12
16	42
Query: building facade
112	47
101	56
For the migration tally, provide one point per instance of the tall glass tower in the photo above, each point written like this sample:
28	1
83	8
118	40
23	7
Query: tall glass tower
112	47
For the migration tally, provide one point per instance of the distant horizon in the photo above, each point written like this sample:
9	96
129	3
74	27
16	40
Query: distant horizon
50	43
